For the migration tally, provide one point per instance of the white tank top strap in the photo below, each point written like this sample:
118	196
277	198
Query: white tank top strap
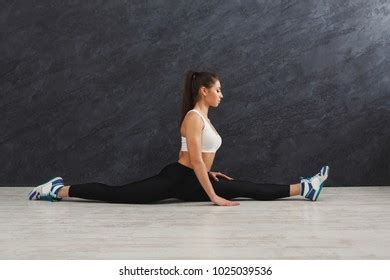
203	118
197	112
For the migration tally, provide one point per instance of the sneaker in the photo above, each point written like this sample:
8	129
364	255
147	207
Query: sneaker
311	187
47	191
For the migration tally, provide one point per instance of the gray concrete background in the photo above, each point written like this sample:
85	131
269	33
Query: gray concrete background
91	90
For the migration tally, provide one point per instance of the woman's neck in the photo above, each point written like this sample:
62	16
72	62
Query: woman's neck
203	109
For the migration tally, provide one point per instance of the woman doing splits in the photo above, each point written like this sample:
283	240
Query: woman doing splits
190	178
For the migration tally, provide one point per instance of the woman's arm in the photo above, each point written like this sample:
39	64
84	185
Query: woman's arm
203	178
194	145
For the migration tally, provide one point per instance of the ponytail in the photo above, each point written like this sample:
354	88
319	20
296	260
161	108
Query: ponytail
193	82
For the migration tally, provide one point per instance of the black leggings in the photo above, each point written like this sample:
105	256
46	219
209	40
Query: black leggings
176	181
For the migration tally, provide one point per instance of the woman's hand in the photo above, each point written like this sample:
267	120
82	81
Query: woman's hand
215	175
220	201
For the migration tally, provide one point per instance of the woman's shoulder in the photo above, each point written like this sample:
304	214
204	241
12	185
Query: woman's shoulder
193	116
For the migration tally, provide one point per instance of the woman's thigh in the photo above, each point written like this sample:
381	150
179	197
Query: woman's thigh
147	190
229	189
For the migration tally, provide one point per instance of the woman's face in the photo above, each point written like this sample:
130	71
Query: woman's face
214	94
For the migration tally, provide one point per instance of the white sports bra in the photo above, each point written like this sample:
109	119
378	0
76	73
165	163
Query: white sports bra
211	140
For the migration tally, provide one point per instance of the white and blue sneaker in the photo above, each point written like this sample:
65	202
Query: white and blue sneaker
47	191
311	187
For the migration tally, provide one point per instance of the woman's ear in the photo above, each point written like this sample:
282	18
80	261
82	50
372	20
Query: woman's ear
203	90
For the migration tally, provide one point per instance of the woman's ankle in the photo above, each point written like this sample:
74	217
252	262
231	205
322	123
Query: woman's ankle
63	192
295	189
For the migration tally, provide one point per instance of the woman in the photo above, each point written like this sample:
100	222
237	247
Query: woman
190	178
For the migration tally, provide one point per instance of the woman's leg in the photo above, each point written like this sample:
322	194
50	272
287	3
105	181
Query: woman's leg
309	187
64	192
295	189
148	190
239	188
161	186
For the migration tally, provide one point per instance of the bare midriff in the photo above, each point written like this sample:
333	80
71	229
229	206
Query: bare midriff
208	159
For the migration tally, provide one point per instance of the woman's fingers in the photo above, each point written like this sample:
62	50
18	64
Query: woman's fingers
231	203
227	177
224	202
215	175
215	178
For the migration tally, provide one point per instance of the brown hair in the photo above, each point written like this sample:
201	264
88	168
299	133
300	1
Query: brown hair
194	81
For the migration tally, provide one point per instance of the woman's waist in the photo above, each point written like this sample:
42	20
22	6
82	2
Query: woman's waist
177	171
208	159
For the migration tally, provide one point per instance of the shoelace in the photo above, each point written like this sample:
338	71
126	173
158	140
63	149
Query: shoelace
309	178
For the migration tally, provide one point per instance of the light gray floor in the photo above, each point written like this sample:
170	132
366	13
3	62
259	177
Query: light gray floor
345	223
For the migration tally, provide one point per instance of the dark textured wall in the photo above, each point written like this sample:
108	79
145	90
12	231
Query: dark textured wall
91	90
